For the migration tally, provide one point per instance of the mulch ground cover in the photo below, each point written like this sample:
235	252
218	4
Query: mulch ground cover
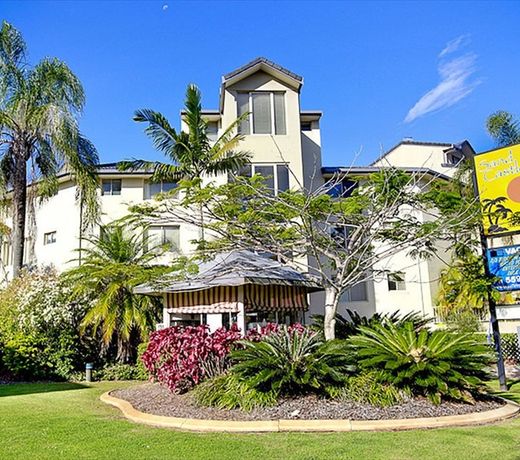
155	399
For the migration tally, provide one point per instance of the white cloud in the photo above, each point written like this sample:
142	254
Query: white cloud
454	45
456	82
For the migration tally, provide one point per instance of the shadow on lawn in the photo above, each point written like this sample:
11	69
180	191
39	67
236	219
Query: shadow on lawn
16	389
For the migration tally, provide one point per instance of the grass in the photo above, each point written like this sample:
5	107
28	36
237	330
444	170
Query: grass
65	421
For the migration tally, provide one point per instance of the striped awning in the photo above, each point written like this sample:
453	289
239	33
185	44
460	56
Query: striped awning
224	299
220	299
275	298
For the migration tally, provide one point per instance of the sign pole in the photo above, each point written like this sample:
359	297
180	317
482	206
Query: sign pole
501	370
493	318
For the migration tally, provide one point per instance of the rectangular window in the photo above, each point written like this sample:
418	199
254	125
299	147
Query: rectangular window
49	238
242	108
357	293
166	236
111	187
396	282
212	130
153	188
276	176
453	159
266	112
341	189
6	251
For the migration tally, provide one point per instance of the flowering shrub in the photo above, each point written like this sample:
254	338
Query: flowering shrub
39	328
181	357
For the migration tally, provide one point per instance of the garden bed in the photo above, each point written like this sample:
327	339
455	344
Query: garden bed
157	400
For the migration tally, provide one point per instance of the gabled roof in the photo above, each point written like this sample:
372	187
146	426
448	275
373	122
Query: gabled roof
235	268
463	146
262	63
256	65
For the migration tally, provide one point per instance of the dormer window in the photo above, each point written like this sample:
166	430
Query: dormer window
266	112
454	158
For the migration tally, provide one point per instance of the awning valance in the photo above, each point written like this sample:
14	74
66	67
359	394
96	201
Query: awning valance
225	299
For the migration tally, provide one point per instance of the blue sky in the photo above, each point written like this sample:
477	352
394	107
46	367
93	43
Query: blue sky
380	71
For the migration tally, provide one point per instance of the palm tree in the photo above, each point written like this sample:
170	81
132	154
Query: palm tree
191	153
113	265
39	108
502	127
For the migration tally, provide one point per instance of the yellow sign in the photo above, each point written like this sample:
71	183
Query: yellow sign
498	182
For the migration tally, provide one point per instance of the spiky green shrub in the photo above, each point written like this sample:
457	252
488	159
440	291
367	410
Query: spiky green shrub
347	327
367	388
227	391
436	364
292	362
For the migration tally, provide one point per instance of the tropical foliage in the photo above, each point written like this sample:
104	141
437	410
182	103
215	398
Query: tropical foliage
228	391
437	364
291	362
367	388
39	134
113	264
503	128
347	327
191	153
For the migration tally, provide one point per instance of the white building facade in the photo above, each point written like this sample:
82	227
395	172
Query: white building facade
285	142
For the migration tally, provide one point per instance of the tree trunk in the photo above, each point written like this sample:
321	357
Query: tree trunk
331	306
19	205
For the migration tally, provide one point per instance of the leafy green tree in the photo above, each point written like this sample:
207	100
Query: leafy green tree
39	109
113	264
345	238
503	128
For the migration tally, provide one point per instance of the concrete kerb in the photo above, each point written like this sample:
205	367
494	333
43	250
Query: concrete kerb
201	425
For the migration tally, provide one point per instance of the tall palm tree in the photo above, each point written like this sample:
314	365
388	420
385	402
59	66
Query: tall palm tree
39	134
503	127
112	265
191	153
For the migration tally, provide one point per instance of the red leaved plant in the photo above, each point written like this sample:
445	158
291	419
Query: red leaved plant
180	357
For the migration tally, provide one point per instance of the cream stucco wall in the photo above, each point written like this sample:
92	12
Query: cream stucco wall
418	156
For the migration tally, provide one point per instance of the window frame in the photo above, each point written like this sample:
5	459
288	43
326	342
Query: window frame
250	117
111	180
163	227
399	284
147	194
46	238
252	168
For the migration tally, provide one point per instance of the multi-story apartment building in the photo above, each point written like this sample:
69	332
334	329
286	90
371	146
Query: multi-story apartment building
286	148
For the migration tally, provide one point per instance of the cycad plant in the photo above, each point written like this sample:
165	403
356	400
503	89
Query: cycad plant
39	134
291	362
113	264
436	364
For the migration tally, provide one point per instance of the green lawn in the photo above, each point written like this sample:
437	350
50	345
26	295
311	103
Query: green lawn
67	421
